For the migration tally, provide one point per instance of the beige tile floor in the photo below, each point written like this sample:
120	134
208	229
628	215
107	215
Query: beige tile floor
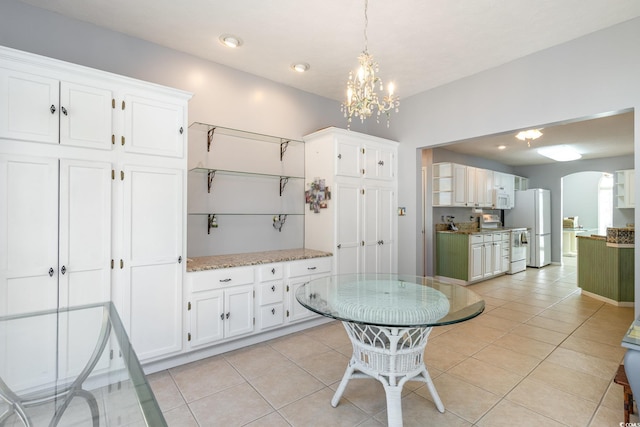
540	355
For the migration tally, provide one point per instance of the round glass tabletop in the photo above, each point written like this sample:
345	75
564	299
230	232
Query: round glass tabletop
390	300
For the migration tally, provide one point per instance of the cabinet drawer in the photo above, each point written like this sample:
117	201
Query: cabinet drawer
211	279
506	237
474	239
270	316
487	237
310	266
270	272
271	292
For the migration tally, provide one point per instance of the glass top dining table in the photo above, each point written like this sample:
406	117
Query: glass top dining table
388	318
72	366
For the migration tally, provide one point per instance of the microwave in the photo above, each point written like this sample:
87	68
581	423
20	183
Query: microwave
501	199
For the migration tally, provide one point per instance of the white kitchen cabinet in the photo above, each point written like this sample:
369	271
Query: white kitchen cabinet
87	218
151	267
625	188
56	222
44	109
270	311
220	305
299	273
154	125
377	231
219	314
503	187
347	196
484	188
463	192
360	222
442	184
487	255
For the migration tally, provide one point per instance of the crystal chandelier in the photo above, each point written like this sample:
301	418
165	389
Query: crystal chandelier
362	98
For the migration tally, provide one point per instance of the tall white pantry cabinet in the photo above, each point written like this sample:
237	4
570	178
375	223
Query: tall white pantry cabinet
359	224
93	196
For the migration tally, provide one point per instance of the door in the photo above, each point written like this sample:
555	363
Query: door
85	232
28	234
476	262
153	126
370	220
386	262
29	107
348	228
348	159
238	303
152	261
86	116
207	314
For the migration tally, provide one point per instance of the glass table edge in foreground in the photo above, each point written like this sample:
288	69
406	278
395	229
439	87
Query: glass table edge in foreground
475	309
149	407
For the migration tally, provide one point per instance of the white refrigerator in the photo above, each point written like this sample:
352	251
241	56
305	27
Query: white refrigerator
533	210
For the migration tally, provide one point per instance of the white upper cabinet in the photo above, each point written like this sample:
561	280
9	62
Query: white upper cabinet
42	109
153	126
29	107
86	116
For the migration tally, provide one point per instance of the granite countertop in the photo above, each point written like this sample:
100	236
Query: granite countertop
593	237
253	258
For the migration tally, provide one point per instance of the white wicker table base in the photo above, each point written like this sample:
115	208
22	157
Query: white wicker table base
393	356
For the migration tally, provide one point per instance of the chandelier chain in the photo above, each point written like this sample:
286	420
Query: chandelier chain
366	24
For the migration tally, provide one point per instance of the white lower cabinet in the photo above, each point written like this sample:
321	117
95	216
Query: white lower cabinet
488	255
220	305
270	311
299	273
229	303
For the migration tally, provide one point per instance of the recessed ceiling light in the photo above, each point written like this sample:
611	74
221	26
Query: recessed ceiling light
501	147
560	153
301	67
230	40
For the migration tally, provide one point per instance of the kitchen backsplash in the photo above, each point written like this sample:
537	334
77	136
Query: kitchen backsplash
462	226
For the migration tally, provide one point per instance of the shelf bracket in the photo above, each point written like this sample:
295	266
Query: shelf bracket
210	175
283	147
283	183
211	222
278	221
210	138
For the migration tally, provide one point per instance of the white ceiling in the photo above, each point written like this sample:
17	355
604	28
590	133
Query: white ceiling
419	44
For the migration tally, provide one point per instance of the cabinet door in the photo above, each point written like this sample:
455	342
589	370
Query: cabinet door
85	232
348	228
296	310
28	107
152	240
497	258
154	126
369	224
487	269
630	184
476	262
206	317
238	317
348	159
378	227
28	234
472	189
86	116
459	185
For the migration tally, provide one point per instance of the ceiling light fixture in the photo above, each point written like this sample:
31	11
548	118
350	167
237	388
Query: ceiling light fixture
301	67
362	98
501	147
230	41
529	135
560	153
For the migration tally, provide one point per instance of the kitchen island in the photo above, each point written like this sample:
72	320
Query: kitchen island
606	267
